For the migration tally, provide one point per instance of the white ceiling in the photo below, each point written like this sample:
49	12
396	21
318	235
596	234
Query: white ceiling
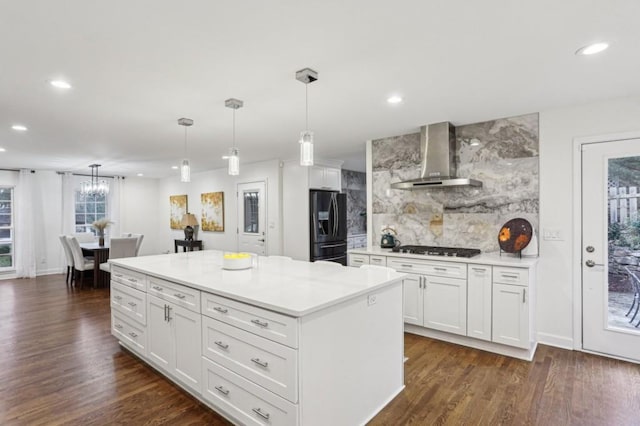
138	66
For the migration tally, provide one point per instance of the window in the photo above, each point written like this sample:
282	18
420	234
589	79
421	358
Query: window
251	212
89	209
6	228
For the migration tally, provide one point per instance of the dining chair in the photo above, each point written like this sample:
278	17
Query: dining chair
69	257
140	237
80	263
119	248
84	237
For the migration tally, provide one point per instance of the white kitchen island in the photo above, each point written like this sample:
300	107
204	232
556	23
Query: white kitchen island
284	342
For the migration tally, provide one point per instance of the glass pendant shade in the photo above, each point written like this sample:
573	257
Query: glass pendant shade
306	148
185	171
234	162
95	186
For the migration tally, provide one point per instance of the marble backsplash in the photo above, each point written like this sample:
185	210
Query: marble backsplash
502	154
354	185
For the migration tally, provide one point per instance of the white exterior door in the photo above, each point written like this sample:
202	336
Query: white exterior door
610	177
252	218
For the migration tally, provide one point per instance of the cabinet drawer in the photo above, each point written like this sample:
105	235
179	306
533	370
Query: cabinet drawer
129	332
180	295
269	364
129	301
440	269
245	401
129	278
277	327
515	276
358	260
378	260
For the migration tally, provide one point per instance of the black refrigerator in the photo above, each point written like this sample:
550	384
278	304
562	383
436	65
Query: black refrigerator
328	226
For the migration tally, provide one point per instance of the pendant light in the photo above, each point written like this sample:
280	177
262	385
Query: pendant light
185	168
95	186
306	75
234	159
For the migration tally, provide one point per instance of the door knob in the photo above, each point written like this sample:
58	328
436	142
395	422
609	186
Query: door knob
590	249
590	263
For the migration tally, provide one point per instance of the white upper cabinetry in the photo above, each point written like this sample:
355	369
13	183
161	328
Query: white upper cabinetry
328	178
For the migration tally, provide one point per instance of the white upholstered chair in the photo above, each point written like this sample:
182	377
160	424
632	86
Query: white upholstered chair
80	263
140	237
69	257
119	248
84	237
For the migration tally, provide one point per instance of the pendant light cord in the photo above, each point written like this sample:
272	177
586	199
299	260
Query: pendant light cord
185	141
306	102
234	128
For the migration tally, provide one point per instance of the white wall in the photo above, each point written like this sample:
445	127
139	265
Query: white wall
47	202
214	181
558	128
139	214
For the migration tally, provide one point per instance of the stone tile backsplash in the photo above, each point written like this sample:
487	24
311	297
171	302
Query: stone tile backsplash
354	185
502	154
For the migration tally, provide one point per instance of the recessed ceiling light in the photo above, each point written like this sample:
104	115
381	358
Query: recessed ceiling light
19	127
592	49
174	167
2	150
60	84
394	99
140	174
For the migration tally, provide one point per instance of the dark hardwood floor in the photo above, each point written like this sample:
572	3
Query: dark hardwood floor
59	364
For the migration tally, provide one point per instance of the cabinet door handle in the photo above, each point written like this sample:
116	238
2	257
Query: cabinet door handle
524	295
169	313
166	315
221	344
221	310
179	296
155	287
260	323
131	304
222	390
118	326
260	363
261	413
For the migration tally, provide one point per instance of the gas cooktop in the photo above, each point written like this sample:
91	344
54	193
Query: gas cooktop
437	251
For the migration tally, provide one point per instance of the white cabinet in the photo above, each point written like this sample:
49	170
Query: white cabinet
328	178
445	304
479	296
174	340
412	299
357	260
511	310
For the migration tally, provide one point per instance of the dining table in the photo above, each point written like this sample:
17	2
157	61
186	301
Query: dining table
100	254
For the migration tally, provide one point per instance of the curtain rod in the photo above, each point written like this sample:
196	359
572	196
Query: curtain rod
85	175
14	170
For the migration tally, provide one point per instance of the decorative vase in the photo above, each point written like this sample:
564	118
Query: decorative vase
101	238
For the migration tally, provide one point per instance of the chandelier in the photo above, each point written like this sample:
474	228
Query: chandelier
95	186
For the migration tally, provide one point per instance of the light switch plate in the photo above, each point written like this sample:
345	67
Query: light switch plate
552	234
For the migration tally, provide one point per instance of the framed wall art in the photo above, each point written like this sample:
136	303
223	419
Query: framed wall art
213	211
177	209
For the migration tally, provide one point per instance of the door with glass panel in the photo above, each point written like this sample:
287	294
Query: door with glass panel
611	248
252	203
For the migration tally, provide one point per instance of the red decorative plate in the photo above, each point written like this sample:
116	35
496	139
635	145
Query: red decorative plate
515	235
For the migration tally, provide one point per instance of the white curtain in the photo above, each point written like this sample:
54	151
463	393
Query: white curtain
115	205
68	204
25	249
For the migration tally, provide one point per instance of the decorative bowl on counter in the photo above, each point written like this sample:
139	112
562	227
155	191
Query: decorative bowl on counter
236	261
515	235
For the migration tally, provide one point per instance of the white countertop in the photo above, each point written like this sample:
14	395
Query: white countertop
290	287
494	259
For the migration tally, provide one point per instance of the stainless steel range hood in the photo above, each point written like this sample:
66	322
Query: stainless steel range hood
438	149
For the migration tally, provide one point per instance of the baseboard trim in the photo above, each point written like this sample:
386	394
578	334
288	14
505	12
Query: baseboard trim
555	341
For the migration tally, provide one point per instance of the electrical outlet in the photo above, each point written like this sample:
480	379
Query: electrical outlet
371	299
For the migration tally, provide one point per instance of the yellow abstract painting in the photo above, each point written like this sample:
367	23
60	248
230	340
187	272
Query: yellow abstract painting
213	211
177	209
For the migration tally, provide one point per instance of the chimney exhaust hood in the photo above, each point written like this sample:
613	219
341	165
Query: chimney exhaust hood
438	149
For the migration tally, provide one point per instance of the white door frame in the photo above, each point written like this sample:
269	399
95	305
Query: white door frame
266	212
577	226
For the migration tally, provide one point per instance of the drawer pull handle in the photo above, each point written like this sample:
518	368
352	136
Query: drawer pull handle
510	275
155	287
440	269
179	296
132	334
222	390
118	275
376	260
118	326
261	413
131	304
264	364
260	323
117	297
406	266
133	280
221	310
358	260
479	269
221	344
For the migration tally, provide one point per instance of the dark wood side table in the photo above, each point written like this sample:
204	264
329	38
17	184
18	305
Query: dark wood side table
187	244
